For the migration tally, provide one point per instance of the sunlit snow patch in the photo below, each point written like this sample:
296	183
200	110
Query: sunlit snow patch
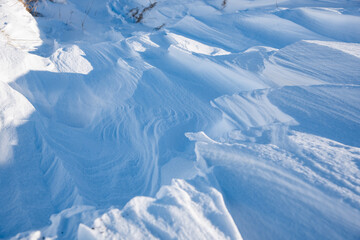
17	27
71	60
194	46
349	48
182	210
179	211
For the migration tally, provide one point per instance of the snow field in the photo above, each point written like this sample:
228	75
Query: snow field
199	122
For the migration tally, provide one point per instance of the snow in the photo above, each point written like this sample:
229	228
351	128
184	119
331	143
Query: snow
19	29
179	211
196	47
349	48
329	22
71	60
202	121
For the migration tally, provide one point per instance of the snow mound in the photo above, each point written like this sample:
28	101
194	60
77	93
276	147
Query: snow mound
349	48
179	211
71	60
329	22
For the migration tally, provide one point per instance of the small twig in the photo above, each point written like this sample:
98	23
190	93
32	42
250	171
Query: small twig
223	4
134	12
87	11
31	6
159	27
69	21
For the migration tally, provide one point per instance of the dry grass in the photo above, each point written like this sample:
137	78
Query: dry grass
223	4
87	11
31	6
139	15
159	27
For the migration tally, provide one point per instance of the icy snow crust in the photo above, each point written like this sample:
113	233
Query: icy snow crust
201	122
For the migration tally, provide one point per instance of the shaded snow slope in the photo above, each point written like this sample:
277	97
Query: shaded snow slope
202	121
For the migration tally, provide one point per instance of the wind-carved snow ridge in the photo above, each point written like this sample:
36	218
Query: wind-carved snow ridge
203	119
196	47
251	109
179	211
349	48
285	169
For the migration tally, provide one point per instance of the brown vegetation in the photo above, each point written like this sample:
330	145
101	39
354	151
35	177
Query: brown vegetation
139	15
224	3
31	6
159	27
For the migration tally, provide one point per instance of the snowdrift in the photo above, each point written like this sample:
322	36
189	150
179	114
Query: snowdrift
202	120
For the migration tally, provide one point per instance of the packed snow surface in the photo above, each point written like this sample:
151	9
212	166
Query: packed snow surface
180	119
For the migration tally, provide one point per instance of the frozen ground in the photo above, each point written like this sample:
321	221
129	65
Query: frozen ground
203	121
